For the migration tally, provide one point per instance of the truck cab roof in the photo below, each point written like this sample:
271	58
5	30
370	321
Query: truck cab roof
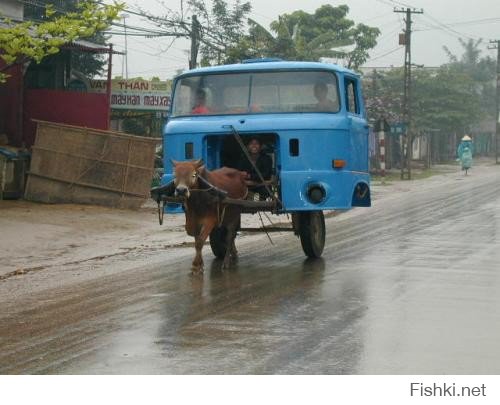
266	65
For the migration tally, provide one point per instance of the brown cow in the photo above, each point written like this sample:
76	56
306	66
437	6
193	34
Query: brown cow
204	212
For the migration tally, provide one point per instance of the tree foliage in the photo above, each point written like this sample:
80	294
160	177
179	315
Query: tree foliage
227	35
87	63
454	98
221	29
217	30
445	100
312	36
30	40
482	70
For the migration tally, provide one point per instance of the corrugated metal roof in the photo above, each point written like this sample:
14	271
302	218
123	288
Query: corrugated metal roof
87	46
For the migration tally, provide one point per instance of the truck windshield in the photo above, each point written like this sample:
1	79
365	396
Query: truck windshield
256	92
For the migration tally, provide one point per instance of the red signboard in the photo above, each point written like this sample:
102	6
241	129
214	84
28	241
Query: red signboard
67	107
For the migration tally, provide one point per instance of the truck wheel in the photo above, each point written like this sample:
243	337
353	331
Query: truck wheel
312	232
218	242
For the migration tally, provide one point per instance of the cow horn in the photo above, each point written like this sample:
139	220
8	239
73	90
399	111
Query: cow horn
174	162
198	163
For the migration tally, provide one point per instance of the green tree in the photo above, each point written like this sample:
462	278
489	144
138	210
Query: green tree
90	64
221	29
482	70
443	99
444	103
383	93
32	40
312	36
226	35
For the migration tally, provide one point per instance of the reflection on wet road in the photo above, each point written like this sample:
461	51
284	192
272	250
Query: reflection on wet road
410	286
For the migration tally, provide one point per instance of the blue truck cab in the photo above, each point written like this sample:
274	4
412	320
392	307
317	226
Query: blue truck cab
309	116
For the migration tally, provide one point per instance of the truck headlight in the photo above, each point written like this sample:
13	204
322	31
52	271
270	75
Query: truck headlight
316	193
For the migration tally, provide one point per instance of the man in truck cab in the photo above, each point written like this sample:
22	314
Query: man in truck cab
325	104
263	163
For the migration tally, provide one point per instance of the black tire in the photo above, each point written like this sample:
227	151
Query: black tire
312	232
218	242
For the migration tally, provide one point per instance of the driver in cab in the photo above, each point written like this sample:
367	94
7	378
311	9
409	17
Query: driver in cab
324	103
200	103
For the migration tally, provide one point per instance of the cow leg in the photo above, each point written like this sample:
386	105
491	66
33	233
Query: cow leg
192	228
199	241
234	252
230	236
197	265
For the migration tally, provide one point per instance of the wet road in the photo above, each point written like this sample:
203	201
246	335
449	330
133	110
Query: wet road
411	285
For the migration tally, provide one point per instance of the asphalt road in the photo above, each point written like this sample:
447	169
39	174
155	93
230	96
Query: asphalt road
409	286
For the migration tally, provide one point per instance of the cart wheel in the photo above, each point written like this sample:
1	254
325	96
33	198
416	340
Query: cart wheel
218	242
312	232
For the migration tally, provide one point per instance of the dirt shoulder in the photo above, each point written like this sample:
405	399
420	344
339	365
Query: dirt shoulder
37	237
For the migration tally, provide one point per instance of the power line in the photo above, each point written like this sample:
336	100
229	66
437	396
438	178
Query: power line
467	23
135	28
399	3
385	54
146	35
159	50
385	2
170	58
377	17
162	4
388	35
446	28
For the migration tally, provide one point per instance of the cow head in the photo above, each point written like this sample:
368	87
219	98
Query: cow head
186	176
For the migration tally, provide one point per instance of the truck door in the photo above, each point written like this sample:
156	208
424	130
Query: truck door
358	125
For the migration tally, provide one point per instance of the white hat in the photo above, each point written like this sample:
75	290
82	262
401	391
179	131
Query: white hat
466	138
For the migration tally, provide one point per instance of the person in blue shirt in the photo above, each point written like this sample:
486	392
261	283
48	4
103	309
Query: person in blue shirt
464	152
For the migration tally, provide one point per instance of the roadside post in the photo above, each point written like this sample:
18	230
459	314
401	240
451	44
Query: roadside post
381	128
398	129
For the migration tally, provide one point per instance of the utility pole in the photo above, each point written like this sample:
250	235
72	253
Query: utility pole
407	109
125	16
195	42
108	85
497	116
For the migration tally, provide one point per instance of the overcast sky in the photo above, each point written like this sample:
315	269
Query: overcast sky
150	57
